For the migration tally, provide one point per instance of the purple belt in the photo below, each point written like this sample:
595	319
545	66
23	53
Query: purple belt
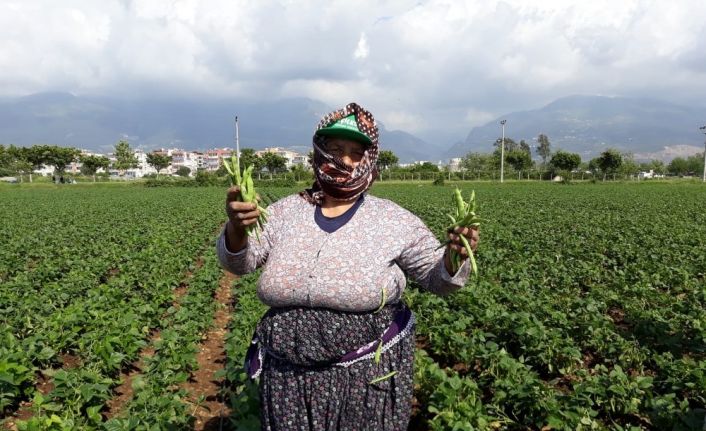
400	327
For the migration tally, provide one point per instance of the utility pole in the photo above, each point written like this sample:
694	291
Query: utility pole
703	129
237	140
502	152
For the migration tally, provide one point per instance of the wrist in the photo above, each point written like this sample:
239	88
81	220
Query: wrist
235	237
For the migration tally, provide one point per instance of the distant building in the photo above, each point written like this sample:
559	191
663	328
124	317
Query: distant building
455	164
292	157
643	175
183	158
212	159
143	168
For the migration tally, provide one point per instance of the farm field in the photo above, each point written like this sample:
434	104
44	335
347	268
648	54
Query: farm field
589	311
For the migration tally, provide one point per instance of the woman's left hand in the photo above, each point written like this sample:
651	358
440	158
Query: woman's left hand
472	236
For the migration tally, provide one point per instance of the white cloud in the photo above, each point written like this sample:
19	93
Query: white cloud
403	120
477	117
435	65
361	51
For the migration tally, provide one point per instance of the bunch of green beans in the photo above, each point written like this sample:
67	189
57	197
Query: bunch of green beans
464	216
247	191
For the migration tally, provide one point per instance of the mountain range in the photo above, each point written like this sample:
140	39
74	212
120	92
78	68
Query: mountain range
590	124
583	124
97	123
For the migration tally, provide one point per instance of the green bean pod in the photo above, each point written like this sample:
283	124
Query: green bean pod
464	217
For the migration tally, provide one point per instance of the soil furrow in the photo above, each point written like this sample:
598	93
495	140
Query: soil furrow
210	411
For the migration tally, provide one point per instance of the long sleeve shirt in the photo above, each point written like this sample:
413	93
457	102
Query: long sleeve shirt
347	269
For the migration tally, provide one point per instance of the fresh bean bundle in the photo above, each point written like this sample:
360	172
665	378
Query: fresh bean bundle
247	191
465	216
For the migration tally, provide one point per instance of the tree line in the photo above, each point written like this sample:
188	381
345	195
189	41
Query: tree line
15	160
609	164
21	161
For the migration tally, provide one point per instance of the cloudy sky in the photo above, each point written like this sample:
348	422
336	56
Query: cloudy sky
433	68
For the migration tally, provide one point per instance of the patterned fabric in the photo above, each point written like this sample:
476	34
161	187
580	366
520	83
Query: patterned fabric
401	327
333	177
347	269
301	390
323	289
332	224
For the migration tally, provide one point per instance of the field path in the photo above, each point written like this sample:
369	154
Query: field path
212	413
124	391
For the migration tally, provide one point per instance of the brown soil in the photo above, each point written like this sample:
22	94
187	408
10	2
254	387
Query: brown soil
69	361
618	317
461	368
108	274
589	359
212	412
24	412
124	392
422	342
417	421
179	292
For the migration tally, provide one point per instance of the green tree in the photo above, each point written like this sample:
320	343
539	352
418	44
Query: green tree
183	171
16	161
524	146
221	171
91	164
61	157
424	167
124	157
478	162
510	145
543	148
678	166
5	161
657	166
696	164
609	162
274	162
565	162
594	166
204	178
519	159
38	156
301	173
158	161
248	158
629	167
386	159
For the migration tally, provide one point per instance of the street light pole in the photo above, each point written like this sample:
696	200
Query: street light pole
703	129
237	138
502	153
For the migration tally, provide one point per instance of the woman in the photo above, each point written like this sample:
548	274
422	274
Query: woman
335	350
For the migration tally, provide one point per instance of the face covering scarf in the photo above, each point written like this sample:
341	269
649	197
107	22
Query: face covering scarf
333	177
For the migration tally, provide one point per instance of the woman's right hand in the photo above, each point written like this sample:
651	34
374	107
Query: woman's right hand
240	216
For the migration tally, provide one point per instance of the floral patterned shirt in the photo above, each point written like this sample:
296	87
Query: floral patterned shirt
347	269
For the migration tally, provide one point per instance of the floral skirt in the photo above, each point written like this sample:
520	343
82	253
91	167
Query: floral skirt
302	388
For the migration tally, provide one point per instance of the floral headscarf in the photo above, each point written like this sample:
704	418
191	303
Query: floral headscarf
333	177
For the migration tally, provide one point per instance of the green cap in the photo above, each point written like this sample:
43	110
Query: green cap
345	128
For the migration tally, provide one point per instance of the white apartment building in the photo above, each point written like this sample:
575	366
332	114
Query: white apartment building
212	159
190	159
143	168
292	157
209	160
455	164
649	174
